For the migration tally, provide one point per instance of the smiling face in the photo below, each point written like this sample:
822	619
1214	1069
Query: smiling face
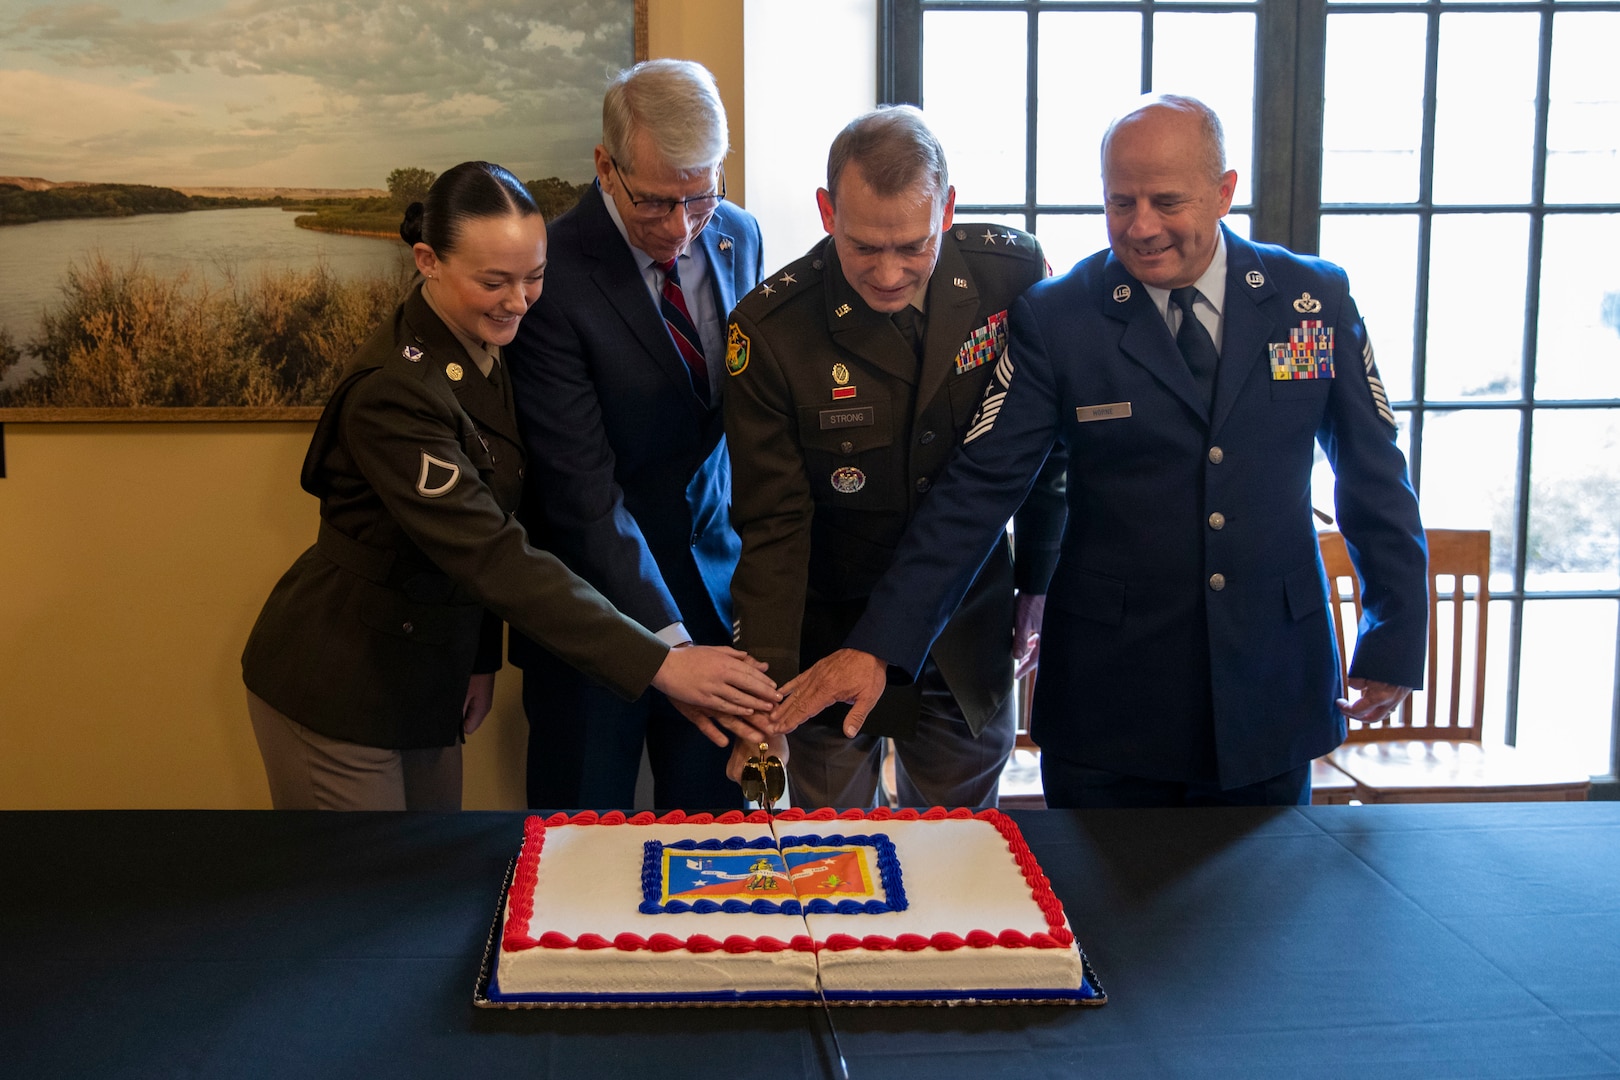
888	244
496	271
1164	200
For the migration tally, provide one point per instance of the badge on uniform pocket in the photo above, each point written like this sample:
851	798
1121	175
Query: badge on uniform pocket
985	345
848	480
1307	354
437	477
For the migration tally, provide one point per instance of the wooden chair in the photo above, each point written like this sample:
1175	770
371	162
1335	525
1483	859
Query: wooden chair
1442	756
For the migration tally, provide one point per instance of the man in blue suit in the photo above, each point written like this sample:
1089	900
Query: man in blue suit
617	373
1187	657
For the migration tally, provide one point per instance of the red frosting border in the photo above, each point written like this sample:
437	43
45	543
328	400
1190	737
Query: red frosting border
520	897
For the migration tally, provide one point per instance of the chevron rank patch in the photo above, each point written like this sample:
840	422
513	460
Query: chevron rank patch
737	344
437	477
995	392
1376	385
1307	354
985	345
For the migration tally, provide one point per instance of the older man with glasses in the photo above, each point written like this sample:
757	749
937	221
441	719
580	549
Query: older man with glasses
617	372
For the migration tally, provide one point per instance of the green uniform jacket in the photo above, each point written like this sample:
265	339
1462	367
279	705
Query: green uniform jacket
836	434
373	633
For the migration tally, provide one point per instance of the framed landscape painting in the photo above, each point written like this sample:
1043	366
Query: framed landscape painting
202	217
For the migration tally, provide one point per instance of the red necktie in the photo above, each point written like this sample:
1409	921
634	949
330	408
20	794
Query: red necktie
672	304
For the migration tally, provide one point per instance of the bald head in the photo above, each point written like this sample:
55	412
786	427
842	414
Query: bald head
1197	121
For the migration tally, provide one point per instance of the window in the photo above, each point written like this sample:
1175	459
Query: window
1461	160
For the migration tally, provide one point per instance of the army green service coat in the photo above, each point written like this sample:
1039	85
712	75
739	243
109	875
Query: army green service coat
374	632
836	434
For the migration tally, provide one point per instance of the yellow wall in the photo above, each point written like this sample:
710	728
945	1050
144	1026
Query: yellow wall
134	558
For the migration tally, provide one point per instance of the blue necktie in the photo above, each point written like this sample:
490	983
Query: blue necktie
1195	344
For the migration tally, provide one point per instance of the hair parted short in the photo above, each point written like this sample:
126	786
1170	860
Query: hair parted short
675	102
894	148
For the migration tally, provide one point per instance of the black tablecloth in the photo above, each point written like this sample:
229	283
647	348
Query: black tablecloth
1375	941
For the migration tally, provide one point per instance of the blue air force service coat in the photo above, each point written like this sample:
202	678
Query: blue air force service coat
374	632
1186	634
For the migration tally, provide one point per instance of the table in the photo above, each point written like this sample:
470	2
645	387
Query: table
1354	941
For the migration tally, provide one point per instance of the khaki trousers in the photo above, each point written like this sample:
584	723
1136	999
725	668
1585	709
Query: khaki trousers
309	771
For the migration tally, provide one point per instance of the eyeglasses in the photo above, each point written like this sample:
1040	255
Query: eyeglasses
697	207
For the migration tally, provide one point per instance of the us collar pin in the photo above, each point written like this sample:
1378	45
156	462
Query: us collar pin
1122	293
1255	279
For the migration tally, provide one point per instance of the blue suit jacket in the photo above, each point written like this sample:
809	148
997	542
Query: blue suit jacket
1151	664
629	481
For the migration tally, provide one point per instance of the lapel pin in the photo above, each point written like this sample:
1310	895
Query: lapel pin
413	354
960	283
725	245
840	374
453	370
1122	293
842	309
1255	279
1307	304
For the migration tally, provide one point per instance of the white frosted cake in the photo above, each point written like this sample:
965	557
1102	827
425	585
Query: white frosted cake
862	908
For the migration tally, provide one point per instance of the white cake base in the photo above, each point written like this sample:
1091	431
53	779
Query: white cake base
959	913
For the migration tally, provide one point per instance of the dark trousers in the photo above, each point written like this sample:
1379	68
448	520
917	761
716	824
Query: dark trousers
1073	786
585	747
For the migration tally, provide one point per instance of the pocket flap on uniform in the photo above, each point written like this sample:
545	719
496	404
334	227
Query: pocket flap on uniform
1088	595
393	613
1305	591
845	429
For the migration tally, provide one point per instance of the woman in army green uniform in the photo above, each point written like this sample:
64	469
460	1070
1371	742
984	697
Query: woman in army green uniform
375	654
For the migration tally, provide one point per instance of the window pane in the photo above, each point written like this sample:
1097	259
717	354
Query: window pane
1068	238
1379	252
1372	126
1574	501
1485	113
1583	119
1578	329
1566	680
1469	466
1091	64
1476	306
1211	57
979	121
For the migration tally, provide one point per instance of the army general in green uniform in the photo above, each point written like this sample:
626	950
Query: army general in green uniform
856	371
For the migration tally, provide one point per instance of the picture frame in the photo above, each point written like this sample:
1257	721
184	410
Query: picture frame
518	83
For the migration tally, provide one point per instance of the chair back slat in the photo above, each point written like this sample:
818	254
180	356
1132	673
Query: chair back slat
1463	558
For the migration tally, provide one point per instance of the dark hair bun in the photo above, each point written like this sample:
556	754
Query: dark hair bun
410	230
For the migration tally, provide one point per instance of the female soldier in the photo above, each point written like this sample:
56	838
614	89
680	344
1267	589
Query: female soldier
376	652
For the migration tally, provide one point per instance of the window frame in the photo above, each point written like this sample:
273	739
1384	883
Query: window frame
1287	209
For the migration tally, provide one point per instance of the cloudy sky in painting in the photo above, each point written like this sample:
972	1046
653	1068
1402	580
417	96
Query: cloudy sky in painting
303	93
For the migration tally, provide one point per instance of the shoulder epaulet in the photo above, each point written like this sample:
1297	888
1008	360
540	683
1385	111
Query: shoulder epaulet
1000	239
775	290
